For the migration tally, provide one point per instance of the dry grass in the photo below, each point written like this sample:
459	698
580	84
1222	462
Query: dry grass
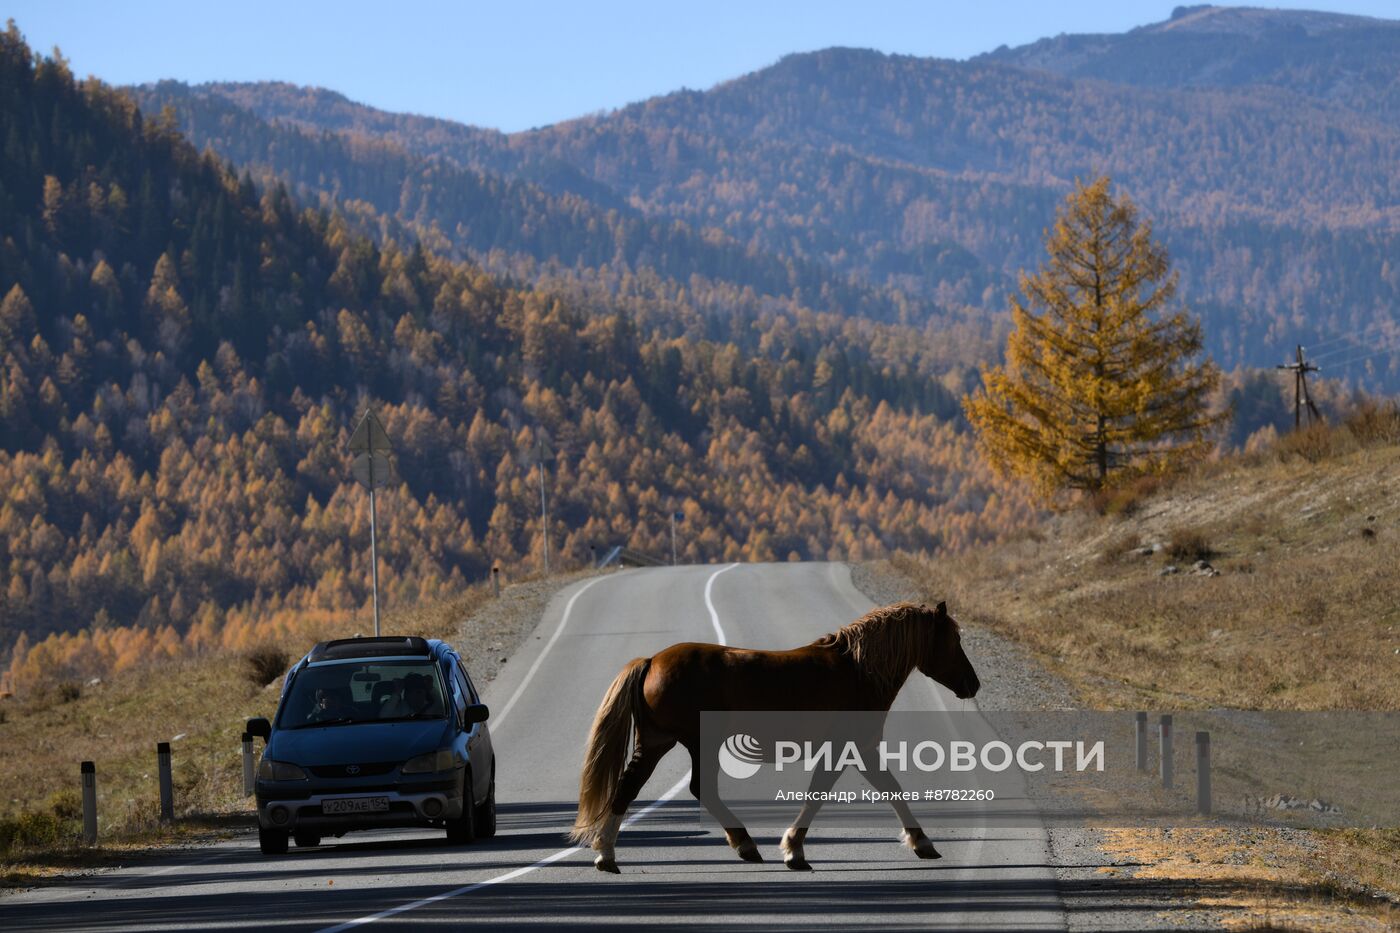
1305	615
1276	881
1189	544
198	704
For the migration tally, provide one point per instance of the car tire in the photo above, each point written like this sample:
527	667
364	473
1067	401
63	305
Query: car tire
307	840
485	816
462	830
272	841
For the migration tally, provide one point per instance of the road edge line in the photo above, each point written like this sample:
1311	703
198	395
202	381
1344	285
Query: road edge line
530	674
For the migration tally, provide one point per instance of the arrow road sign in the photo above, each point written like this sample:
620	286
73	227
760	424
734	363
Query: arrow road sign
370	437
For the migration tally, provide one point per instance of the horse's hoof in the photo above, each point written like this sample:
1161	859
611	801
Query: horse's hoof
797	863
606	864
922	846
749	852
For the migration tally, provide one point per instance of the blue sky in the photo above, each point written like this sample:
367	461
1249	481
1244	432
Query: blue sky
513	64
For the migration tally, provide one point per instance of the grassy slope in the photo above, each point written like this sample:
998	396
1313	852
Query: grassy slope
1305	614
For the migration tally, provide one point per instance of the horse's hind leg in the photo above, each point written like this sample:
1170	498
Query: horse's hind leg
913	835
704	784
649	749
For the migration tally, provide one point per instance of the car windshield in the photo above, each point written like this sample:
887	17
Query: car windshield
363	691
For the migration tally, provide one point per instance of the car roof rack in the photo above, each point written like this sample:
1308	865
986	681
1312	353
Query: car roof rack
387	646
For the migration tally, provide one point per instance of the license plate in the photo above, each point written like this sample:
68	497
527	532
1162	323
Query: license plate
356	805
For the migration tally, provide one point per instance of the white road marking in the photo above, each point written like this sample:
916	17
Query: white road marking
710	603
498	718
680	785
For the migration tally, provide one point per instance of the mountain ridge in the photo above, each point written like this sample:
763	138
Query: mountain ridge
934	179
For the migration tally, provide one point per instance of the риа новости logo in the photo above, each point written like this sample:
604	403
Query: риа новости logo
740	756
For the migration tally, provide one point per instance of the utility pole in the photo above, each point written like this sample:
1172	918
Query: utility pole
1301	397
544	504
675	517
371	447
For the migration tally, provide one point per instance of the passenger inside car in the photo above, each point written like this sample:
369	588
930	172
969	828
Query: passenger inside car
394	706
329	705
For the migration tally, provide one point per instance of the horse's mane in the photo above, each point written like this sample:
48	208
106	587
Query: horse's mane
886	642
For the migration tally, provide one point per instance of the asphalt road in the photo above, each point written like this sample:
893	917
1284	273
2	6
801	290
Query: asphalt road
676	868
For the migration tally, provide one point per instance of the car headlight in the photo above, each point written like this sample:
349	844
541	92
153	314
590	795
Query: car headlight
270	770
440	760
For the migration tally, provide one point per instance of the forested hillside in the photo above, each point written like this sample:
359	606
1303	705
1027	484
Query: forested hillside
185	352
930	182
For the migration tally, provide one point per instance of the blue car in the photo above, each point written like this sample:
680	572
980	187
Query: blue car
375	732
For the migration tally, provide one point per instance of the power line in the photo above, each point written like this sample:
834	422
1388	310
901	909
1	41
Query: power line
1353	360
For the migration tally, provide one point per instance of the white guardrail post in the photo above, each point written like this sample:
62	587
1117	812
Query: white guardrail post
247	765
1203	773
1165	731
89	777
167	787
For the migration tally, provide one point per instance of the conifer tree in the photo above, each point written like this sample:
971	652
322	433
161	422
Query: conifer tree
1100	381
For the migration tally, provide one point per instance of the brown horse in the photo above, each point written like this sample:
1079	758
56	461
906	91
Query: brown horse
657	702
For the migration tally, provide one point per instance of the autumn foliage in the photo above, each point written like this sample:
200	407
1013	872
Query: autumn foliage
184	355
1100	381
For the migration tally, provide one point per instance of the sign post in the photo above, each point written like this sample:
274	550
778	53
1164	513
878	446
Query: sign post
371	447
675	517
543	451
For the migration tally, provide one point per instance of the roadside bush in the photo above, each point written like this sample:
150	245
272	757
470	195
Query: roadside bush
1186	544
69	691
265	664
65	804
34	829
1374	424
1315	443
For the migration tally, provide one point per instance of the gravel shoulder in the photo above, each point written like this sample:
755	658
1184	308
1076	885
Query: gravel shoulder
491	633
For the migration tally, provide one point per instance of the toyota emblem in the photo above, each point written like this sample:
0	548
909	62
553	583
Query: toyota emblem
352	769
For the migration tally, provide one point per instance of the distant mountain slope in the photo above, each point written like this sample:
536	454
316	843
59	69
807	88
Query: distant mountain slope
182	356
549	214
935	179
1348	61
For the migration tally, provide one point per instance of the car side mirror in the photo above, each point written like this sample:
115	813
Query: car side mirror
259	725
475	713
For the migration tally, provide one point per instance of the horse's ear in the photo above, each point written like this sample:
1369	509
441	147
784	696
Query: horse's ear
941	610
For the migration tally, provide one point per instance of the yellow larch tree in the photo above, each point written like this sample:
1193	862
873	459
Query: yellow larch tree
1101	380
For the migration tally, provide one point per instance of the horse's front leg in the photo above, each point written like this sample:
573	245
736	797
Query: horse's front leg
796	835
913	835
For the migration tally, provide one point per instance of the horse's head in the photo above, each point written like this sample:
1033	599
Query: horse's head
943	658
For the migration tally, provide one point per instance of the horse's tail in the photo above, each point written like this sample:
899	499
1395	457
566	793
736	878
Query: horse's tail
606	756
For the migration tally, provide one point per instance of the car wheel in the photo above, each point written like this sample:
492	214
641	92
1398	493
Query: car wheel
307	840
272	841
462	830
486	812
